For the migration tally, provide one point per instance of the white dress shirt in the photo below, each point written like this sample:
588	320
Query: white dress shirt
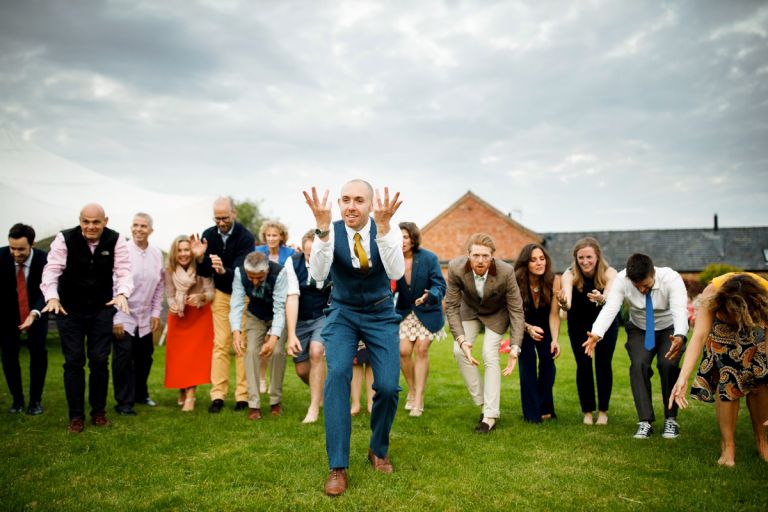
390	249
670	302
480	283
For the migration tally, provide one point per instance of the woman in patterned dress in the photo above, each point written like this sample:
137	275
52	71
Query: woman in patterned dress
420	303
731	326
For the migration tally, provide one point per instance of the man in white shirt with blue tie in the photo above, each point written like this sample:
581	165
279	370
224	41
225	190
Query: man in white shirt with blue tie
658	324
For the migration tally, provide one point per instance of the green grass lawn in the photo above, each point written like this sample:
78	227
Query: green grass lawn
165	460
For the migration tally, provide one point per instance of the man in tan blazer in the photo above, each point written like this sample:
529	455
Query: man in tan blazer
482	290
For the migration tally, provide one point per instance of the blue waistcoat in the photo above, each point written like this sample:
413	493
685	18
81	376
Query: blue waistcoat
260	299
352	287
312	301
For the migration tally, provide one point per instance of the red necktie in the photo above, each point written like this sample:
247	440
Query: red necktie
21	290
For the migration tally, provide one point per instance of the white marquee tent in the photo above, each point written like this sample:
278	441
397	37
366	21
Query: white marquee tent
47	192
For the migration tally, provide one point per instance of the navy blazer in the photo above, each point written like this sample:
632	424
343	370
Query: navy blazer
239	244
9	301
425	275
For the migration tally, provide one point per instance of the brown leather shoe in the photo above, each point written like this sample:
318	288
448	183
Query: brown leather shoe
383	465
336	483
100	420
254	414
277	410
76	426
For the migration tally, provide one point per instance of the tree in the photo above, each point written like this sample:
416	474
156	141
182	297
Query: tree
249	215
714	270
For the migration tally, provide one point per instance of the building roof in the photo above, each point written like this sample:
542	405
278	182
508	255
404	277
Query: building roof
685	250
492	209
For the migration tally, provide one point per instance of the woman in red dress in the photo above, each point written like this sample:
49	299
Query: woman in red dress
189	341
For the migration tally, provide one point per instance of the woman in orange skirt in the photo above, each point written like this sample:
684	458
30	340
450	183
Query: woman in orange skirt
189	341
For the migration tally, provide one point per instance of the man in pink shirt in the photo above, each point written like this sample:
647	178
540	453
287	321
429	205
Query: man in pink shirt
84	264
133	345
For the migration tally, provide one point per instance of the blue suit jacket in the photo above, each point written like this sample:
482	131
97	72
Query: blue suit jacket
285	252
425	275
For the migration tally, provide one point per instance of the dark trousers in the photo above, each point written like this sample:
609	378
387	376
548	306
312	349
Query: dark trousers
640	371
603	357
131	363
379	329
536	391
86	334
10	344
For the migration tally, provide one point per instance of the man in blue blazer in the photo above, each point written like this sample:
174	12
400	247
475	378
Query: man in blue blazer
21	269
361	255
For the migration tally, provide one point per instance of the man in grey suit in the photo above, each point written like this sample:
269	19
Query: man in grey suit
482	291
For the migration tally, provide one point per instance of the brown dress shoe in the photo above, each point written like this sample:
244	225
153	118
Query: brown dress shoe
382	465
100	420
76	426
336	483
254	414
277	410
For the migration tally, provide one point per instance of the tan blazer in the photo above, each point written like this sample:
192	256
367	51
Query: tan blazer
500	306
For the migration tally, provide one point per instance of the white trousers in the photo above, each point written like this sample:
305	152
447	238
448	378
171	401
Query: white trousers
487	391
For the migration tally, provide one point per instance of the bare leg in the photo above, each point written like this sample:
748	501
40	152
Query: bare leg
354	393
316	378
369	382
189	400
727	413
302	371
421	371
757	402
406	366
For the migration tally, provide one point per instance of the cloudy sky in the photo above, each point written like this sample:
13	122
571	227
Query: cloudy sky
570	115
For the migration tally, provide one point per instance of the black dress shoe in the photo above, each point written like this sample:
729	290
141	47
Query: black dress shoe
217	405
16	408
125	411
484	428
35	409
241	405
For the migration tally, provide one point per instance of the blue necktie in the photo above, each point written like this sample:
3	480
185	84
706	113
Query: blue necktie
650	328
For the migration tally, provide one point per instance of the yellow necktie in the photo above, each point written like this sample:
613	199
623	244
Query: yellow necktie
360	253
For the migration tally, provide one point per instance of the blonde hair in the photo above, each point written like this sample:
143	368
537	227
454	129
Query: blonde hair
276	224
174	252
600	269
483	239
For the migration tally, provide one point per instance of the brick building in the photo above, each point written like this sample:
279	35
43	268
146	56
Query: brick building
447	234
686	250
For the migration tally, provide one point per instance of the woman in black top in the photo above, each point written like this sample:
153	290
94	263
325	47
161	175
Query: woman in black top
539	288
584	288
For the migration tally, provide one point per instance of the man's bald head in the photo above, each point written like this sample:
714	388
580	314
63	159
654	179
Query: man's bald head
358	181
93	220
224	213
93	210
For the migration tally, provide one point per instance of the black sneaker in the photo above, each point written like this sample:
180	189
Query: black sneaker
16	408
35	409
644	430
125	410
216	406
671	429
149	402
241	405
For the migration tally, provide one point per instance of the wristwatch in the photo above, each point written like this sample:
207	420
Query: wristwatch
322	234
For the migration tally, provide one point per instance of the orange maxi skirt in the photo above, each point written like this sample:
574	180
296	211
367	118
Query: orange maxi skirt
189	348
